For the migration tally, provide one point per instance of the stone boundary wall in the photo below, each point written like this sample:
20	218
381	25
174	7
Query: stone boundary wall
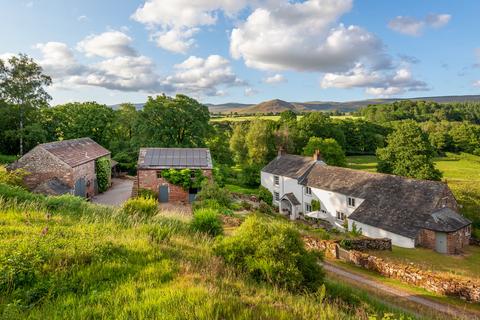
353	244
464	289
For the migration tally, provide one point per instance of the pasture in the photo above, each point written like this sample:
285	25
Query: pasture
273	118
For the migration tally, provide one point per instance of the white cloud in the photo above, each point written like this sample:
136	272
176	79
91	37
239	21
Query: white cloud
109	44
477	84
376	83
82	18
277	78
415	27
172	22
304	37
200	77
249	92
5	56
58	61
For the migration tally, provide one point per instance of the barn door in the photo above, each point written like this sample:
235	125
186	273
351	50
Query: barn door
80	188
163	193
441	242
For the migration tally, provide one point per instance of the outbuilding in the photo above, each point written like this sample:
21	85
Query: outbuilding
60	167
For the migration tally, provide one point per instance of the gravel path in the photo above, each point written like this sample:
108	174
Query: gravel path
119	192
356	278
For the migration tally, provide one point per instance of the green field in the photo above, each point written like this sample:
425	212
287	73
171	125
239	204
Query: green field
274	118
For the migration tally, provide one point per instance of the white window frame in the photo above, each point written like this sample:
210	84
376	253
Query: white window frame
351	202
308	207
340	215
276	196
308	191
276	180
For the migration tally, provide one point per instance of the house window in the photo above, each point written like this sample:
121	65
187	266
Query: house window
351	202
308	191
308	208
340	215
276	180
276	195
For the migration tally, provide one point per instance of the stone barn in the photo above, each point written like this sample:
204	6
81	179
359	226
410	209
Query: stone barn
63	167
152	161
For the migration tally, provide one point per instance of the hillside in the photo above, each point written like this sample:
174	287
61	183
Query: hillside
271	106
63	258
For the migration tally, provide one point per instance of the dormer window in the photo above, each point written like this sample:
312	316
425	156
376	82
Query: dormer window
351	202
276	180
308	191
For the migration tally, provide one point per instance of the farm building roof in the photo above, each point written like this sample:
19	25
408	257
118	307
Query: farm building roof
289	165
176	158
75	152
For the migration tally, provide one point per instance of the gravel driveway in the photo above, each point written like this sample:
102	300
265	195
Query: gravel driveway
119	192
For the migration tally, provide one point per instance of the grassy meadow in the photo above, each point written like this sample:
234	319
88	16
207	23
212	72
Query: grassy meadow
273	118
64	258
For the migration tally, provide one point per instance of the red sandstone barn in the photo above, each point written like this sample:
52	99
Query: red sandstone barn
152	161
63	167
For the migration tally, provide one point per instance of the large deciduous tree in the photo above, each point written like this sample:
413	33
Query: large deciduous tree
331	152
408	153
22	86
173	122
260	141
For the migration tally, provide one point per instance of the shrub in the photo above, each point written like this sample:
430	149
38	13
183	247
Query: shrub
272	252
207	221
211	191
265	195
103	171
356	232
250	175
246	205
315	205
147	193
145	207
13	178
184	178
265	208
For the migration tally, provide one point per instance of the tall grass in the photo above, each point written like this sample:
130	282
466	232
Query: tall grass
64	258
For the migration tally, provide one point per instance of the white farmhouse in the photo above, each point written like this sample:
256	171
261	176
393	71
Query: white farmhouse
408	211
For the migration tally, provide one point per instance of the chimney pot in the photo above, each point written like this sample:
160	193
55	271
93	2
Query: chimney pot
281	151
317	156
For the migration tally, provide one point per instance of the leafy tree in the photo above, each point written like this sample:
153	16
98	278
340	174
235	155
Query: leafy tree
22	85
287	116
173	122
408	153
126	117
260	141
317	124
466	137
330	151
238	145
218	143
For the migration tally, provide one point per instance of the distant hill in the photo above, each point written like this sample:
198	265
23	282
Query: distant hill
277	106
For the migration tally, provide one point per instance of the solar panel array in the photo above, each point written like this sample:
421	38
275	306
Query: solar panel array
177	157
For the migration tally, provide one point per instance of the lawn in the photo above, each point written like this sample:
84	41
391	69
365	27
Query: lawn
241	189
6	159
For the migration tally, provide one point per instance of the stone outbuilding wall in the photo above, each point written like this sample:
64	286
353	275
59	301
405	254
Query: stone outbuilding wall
456	241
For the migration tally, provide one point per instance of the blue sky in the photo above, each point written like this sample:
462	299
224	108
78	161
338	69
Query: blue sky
247	51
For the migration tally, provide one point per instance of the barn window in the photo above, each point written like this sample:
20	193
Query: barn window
276	180
277	196
308	191
351	202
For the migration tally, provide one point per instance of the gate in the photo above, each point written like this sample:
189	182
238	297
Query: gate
80	188
163	193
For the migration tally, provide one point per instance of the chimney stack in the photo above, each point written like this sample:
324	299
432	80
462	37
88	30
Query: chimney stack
317	156
281	151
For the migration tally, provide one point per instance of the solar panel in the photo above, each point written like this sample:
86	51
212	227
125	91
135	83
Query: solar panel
177	157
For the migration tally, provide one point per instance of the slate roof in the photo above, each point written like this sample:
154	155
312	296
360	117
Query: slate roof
75	152
289	165
177	158
396	204
291	197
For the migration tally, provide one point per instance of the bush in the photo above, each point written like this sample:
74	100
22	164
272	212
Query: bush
265	195
207	221
315	205
211	191
265	208
272	252
250	175
147	193
103	171
145	207
13	178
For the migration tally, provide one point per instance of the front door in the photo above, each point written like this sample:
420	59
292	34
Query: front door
163	193
441	242
80	188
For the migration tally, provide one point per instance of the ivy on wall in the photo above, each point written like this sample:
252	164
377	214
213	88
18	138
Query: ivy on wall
103	169
184	178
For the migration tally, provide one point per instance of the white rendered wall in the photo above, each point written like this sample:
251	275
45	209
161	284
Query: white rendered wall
332	202
373	232
286	185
